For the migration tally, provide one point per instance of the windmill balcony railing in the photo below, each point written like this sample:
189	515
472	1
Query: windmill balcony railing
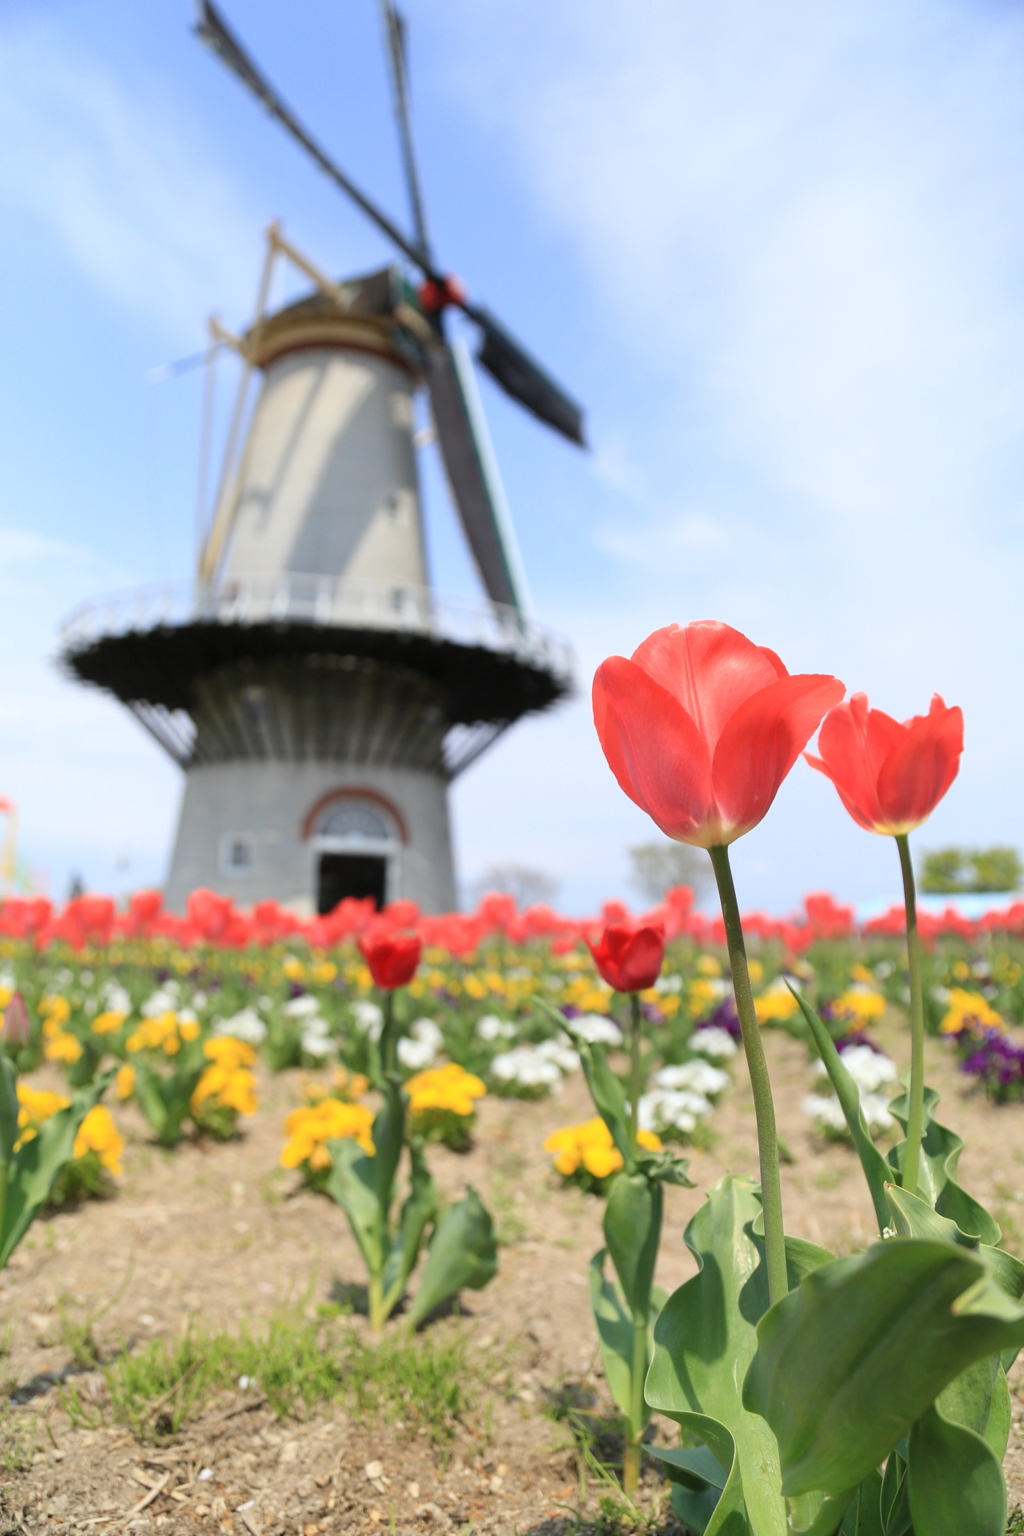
318	600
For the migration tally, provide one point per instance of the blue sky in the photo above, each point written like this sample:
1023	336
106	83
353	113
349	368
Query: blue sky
775	251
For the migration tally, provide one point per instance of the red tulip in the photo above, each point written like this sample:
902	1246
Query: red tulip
701	727
629	956
392	957
890	776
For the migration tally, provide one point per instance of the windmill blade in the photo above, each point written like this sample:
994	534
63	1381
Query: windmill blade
477	494
213	30
394	31
524	379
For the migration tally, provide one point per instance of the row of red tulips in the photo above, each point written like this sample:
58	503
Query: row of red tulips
211	919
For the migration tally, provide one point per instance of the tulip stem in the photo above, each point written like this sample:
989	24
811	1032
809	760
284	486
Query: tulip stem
915	1112
390	1051
634	1076
760	1083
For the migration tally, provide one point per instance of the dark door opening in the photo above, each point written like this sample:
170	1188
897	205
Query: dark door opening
350	874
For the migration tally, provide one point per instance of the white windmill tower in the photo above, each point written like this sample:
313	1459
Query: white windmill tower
318	693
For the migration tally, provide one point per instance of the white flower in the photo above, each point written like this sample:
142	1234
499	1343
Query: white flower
491	1028
186	1016
368	1018
875	1108
163	1000
699	1076
115	998
665	1109
415	1055
316	1041
560	1052
301	1007
596	1029
869	1069
245	1025
527	1067
826	1111
712	1041
672	983
200	1000
427	1033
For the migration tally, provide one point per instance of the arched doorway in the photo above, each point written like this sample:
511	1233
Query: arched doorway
356	841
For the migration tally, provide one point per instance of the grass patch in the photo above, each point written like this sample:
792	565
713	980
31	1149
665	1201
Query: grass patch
18	1437
428	1381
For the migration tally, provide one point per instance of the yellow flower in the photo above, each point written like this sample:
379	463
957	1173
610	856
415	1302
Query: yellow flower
108	1023
969	1010
98	1133
229	1052
860	1005
161	1033
961	970
36	1105
863	975
124	1082
591	1145
776	1004
188	1029
707	965
56	1008
449	1087
63	1047
309	1129
755	970
293	968
229	1087
325	972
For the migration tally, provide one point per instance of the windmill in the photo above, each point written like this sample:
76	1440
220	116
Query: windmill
317	691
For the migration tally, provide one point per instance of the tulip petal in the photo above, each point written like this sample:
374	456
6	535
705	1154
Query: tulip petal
854	742
710	669
761	743
653	747
921	766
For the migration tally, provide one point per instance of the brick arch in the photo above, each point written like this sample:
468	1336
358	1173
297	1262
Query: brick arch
353	792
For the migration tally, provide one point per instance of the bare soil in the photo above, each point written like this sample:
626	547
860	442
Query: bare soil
220	1234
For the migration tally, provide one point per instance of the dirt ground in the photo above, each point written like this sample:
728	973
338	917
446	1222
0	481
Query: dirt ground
220	1233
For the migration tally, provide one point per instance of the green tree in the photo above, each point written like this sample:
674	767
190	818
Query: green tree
952	871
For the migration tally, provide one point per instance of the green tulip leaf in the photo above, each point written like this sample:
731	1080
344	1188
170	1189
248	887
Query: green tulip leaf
352	1183
940	1155
9	1108
954	1481
388	1137
418	1210
32	1170
463	1253
632	1233
704	1339
863	1514
876	1169
893	1503
614	1326
848	1362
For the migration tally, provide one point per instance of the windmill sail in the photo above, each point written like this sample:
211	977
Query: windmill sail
479	501
524	379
